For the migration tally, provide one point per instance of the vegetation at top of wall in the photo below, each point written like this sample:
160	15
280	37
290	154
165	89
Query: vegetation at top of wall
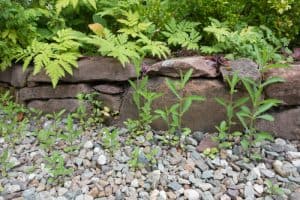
128	29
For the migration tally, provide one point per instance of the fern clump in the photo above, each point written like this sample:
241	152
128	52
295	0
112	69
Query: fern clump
56	57
183	34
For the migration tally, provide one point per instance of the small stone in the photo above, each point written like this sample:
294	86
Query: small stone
280	141
218	175
296	163
102	160
154	194
295	179
191	194
205	186
198	135
294	196
225	197
174	186
258	188
293	155
205	143
171	195
84	197
61	191
233	193
162	195
135	183
94	192
29	194
191	141
13	188
207	196
249	191
267	173
144	195
207	174
154	178
88	145
277	166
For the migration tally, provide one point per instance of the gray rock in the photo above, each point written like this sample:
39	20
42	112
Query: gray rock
191	194
84	197
29	194
191	141
13	188
233	193
267	173
162	195
135	183
249	192
295	179
198	135
207	196
102	160
88	144
154	178
174	186
208	174
294	196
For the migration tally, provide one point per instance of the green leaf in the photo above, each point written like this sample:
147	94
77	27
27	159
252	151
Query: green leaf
266	117
187	76
172	87
272	81
221	101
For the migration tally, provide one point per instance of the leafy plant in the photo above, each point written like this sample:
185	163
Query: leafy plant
47	138
173	115
259	106
244	41
56	167
5	165
61	4
273	189
182	34
70	134
110	139
55	58
143	99
135	162
211	152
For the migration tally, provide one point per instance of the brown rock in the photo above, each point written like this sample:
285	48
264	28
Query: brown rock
111	101
94	69
54	105
48	92
94	192
202	116
243	67
109	89
172	67
289	91
286	124
296	53
15	76
206	143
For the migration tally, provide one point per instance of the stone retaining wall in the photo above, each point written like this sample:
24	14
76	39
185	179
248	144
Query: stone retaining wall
107	77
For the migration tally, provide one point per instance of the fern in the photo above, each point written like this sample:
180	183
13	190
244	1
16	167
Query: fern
116	46
248	41
55	58
132	25
155	48
183	34
61	4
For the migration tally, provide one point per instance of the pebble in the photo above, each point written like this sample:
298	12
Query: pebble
249	191
174	186
88	144
208	174
207	196
258	188
134	183
267	173
13	188
294	196
84	197
191	194
102	160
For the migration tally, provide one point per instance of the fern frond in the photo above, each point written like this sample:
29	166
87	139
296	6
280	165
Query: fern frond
155	48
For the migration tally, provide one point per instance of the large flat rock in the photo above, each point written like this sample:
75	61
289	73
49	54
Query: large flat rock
48	92
172	67
286	124
201	116
94	69
15	76
289	91
55	105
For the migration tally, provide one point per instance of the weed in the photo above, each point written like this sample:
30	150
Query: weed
273	189
5	165
110	139
173	115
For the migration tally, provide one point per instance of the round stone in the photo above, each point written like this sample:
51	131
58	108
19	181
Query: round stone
102	160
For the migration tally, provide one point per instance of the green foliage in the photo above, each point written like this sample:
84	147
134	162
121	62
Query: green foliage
61	4
173	115
135	162
211	152
55	58
47	138
273	189
243	42
249	116
5	165
110	139
56	167
182	34
70	134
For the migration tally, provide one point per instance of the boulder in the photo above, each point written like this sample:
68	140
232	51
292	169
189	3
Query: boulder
15	76
55	105
111	101
289	91
109	88
95	69
286	124
172	67
48	92
202	116
243	67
